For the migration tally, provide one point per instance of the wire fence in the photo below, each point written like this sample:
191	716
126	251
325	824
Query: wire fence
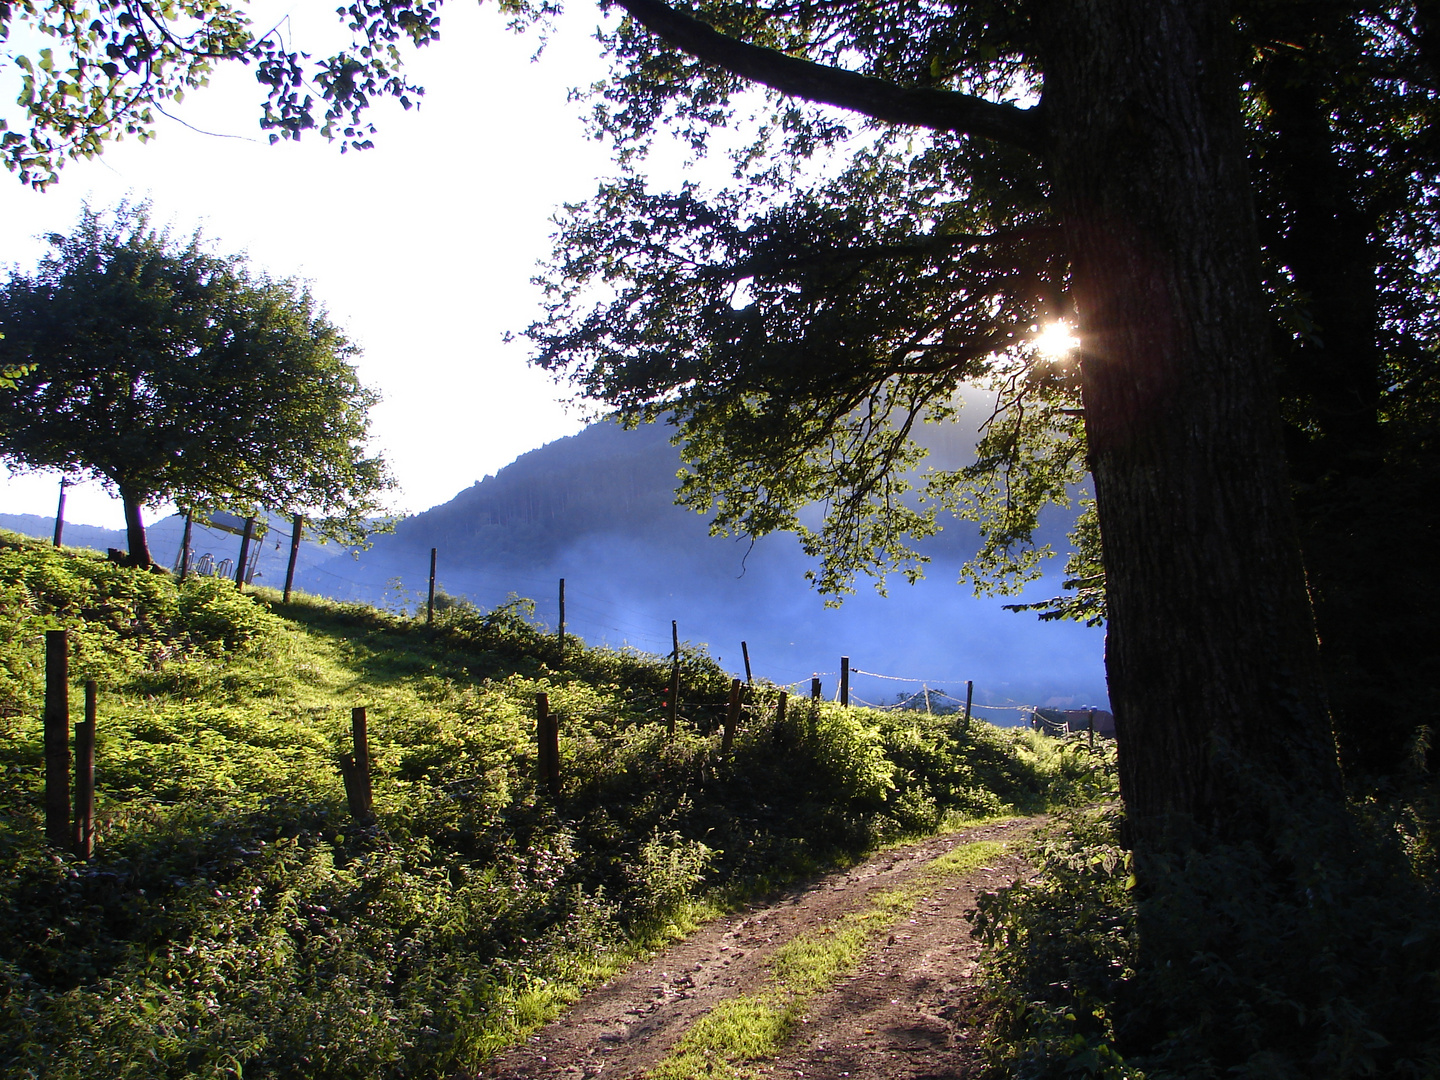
600	614
597	613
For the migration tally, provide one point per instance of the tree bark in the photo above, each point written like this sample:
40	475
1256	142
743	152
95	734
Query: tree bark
135	539
1211	655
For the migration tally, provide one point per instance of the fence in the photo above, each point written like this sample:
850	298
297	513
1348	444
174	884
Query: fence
75	828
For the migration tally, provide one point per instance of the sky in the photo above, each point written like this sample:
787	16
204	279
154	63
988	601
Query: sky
422	249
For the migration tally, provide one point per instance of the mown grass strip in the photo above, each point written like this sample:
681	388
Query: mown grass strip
753	1027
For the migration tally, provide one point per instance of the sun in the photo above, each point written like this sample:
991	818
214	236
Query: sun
1056	341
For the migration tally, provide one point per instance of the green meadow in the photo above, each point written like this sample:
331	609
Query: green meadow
236	922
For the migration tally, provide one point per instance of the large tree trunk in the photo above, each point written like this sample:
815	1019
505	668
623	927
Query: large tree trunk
135	537
1212	655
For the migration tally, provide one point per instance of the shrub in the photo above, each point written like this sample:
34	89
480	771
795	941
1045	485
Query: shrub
1217	964
216	616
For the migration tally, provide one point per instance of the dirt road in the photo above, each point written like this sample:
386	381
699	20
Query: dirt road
904	1012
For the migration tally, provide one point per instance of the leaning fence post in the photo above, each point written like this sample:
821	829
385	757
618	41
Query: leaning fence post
732	718
297	524
245	539
57	738
60	513
84	834
356	771
547	738
969	693
185	544
745	652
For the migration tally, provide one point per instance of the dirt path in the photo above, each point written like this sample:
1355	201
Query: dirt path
903	1014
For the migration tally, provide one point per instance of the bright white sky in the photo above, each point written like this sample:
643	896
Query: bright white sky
422	248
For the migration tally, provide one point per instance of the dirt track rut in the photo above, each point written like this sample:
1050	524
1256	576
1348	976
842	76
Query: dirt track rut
905	1012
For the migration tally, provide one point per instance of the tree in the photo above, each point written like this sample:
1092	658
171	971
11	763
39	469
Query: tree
1343	158
173	374
872	294
1131	209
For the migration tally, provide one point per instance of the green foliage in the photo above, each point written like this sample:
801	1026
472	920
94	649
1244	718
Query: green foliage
1084	599
171	373
1212	963
856	324
105	71
123	626
234	917
666	872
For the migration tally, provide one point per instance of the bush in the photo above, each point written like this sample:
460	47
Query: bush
214	615
1218	965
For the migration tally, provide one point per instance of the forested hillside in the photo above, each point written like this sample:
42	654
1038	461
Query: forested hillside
597	509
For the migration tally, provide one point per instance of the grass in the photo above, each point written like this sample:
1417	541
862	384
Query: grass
234	920
750	1028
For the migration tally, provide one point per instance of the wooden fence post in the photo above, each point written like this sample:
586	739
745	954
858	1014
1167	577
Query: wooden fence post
732	718
356	771
745	652
297	525
815	688
780	711
969	693
185	543
245	539
674	677
562	620
430	603
84	835
844	680
60	513
57	738
547	739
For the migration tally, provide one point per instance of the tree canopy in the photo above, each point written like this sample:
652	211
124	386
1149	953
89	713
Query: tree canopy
170	373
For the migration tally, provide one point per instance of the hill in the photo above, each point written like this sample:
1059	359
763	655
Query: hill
597	509
236	920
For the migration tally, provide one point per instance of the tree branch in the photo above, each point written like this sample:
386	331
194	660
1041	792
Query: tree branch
939	110
936	244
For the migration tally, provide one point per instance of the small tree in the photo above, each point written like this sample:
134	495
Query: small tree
170	373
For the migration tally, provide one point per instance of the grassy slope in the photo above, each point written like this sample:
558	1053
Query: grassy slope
235	921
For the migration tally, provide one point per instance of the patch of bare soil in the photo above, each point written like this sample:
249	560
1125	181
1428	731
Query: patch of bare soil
905	1013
